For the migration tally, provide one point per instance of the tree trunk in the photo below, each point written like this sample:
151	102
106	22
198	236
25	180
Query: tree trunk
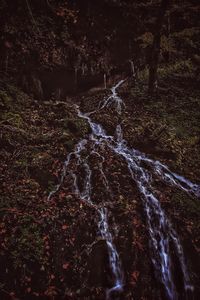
155	51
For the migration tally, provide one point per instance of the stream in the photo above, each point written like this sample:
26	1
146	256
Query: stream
163	239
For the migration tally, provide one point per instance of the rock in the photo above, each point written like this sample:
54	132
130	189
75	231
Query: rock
97	262
69	145
42	176
78	127
72	126
69	198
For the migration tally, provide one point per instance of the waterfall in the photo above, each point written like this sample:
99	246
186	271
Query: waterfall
162	235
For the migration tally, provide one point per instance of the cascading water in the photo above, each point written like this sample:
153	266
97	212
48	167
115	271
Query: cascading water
114	98
85	195
160	230
97	137
162	236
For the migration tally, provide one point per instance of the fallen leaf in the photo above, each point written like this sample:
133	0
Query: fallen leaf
65	266
64	227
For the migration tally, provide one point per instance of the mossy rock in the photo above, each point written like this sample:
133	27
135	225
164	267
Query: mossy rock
64	137
18	96
42	176
5	100
34	185
78	127
69	145
42	159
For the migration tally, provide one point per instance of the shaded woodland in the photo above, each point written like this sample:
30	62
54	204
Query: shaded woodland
55	57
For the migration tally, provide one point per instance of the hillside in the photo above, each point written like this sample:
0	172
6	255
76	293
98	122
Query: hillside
100	182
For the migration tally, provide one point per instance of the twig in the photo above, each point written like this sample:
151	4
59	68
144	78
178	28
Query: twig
50	6
31	14
11	128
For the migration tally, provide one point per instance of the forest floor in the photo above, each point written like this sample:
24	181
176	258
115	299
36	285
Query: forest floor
47	246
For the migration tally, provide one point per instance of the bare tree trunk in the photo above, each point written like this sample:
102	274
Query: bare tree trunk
155	51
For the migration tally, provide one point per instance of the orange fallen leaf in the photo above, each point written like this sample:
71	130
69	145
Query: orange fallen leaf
65	266
64	227
134	277
12	294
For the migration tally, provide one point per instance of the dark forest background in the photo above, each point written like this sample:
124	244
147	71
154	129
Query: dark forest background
54	54
45	44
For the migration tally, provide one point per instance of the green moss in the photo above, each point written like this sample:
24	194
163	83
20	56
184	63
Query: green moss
27	243
5	100
69	145
186	203
18	96
188	38
185	67
33	185
76	126
83	126
13	118
22	162
146	39
42	159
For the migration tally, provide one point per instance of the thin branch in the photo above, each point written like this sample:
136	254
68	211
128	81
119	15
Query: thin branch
31	14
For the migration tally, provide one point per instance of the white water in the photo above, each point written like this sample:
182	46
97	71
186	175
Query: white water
162	236
97	138
85	194
114	98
